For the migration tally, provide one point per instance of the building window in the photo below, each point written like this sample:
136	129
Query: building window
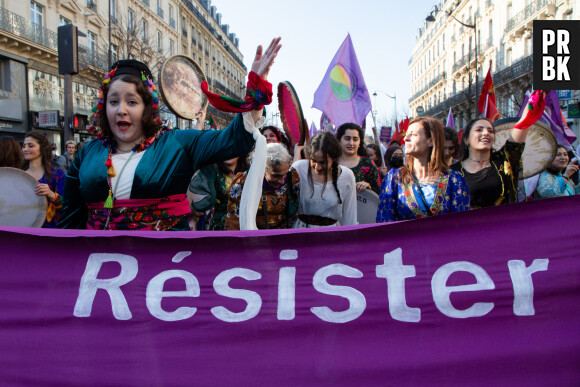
144	30
159	42
528	50
171	44
114	53
131	21
92	5
113	5
159	9
62	21
171	19
36	13
92	41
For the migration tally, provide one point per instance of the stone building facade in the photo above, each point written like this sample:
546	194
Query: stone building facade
146	30
443	65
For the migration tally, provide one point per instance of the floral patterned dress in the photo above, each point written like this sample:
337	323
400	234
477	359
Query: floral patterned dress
367	171
278	207
400	201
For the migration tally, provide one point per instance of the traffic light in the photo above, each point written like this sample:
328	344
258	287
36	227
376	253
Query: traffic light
68	53
79	121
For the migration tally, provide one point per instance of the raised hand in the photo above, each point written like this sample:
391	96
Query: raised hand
263	60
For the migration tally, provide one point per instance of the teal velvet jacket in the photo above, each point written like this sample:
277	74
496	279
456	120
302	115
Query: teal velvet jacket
165	169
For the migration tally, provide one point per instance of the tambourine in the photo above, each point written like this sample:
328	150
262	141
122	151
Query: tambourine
180	81
367	204
291	114
20	206
541	145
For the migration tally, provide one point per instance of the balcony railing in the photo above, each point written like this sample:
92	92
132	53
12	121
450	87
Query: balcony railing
520	68
146	2
529	11
160	12
435	81
516	70
227	91
172	22
93	58
19	26
184	32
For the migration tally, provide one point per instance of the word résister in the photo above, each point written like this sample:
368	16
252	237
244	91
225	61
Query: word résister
392	270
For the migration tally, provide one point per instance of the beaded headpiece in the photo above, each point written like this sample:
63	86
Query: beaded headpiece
141	71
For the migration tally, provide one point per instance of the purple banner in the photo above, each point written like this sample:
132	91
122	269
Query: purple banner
486	297
385	135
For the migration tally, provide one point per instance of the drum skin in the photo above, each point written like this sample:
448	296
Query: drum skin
19	205
367	203
541	145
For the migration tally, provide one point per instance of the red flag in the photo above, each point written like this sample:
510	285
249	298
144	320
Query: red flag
486	104
212	123
401	131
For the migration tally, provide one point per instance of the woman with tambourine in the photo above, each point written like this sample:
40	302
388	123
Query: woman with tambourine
492	176
37	163
424	186
136	173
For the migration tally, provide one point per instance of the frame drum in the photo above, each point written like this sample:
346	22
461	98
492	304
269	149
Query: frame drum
367	204
180	81
291	114
541	145
19	205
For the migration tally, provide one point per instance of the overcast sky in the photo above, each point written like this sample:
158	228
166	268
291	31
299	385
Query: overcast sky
383	33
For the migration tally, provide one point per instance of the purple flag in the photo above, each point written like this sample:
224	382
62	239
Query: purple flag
342	94
553	104
313	129
450	119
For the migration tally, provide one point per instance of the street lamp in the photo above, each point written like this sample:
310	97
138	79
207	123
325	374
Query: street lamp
431	18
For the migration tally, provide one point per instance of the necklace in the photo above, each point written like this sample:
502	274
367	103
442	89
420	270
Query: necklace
480	162
120	152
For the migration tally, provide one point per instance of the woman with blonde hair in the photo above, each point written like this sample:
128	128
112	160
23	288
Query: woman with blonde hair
424	186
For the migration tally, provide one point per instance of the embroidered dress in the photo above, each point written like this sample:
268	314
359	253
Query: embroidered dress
367	171
505	164
552	185
141	214
314	201
56	184
278	207
400	201
165	168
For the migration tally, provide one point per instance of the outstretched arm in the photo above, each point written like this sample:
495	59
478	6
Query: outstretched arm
262	63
